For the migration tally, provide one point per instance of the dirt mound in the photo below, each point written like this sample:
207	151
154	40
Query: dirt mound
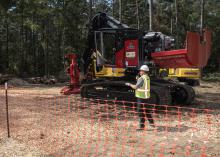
17	82
11	147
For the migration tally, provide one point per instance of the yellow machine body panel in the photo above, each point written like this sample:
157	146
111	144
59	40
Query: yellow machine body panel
108	71
191	73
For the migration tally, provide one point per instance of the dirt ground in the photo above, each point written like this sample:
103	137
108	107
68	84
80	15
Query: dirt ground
44	123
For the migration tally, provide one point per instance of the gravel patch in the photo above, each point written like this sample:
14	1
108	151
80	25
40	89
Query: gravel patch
12	148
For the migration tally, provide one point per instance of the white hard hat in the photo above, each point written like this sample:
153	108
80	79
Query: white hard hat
144	68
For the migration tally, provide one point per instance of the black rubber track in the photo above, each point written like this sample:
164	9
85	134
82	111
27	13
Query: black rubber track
116	90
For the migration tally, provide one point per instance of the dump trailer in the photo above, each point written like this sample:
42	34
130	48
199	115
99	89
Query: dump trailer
115	52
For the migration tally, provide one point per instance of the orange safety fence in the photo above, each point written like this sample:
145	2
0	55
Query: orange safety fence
72	126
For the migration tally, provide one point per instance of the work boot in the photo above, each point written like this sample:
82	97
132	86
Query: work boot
142	127
152	125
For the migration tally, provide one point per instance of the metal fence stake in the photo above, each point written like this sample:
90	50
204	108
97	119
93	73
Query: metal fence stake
6	102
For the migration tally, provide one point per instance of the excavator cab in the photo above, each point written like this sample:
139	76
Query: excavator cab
115	50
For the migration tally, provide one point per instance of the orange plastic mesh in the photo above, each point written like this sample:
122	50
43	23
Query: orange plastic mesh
72	126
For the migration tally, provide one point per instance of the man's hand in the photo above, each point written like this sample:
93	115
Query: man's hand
128	84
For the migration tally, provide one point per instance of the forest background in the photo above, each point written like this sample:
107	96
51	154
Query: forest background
36	34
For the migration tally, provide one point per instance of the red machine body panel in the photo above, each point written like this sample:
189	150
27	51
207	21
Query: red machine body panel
196	54
119	58
131	53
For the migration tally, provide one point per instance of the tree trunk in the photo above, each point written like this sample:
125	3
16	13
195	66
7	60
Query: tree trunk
33	48
137	12
7	44
176	22
218	60
21	55
120	10
150	14
90	10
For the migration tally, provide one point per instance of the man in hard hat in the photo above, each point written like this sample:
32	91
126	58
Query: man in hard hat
142	93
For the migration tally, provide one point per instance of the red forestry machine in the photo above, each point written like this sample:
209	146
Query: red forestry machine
115	52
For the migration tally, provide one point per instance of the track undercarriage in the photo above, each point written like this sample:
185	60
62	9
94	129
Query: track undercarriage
162	92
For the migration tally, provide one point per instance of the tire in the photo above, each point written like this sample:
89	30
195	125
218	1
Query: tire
160	96
183	95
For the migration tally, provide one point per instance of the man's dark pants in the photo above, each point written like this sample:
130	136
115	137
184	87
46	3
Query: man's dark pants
144	112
